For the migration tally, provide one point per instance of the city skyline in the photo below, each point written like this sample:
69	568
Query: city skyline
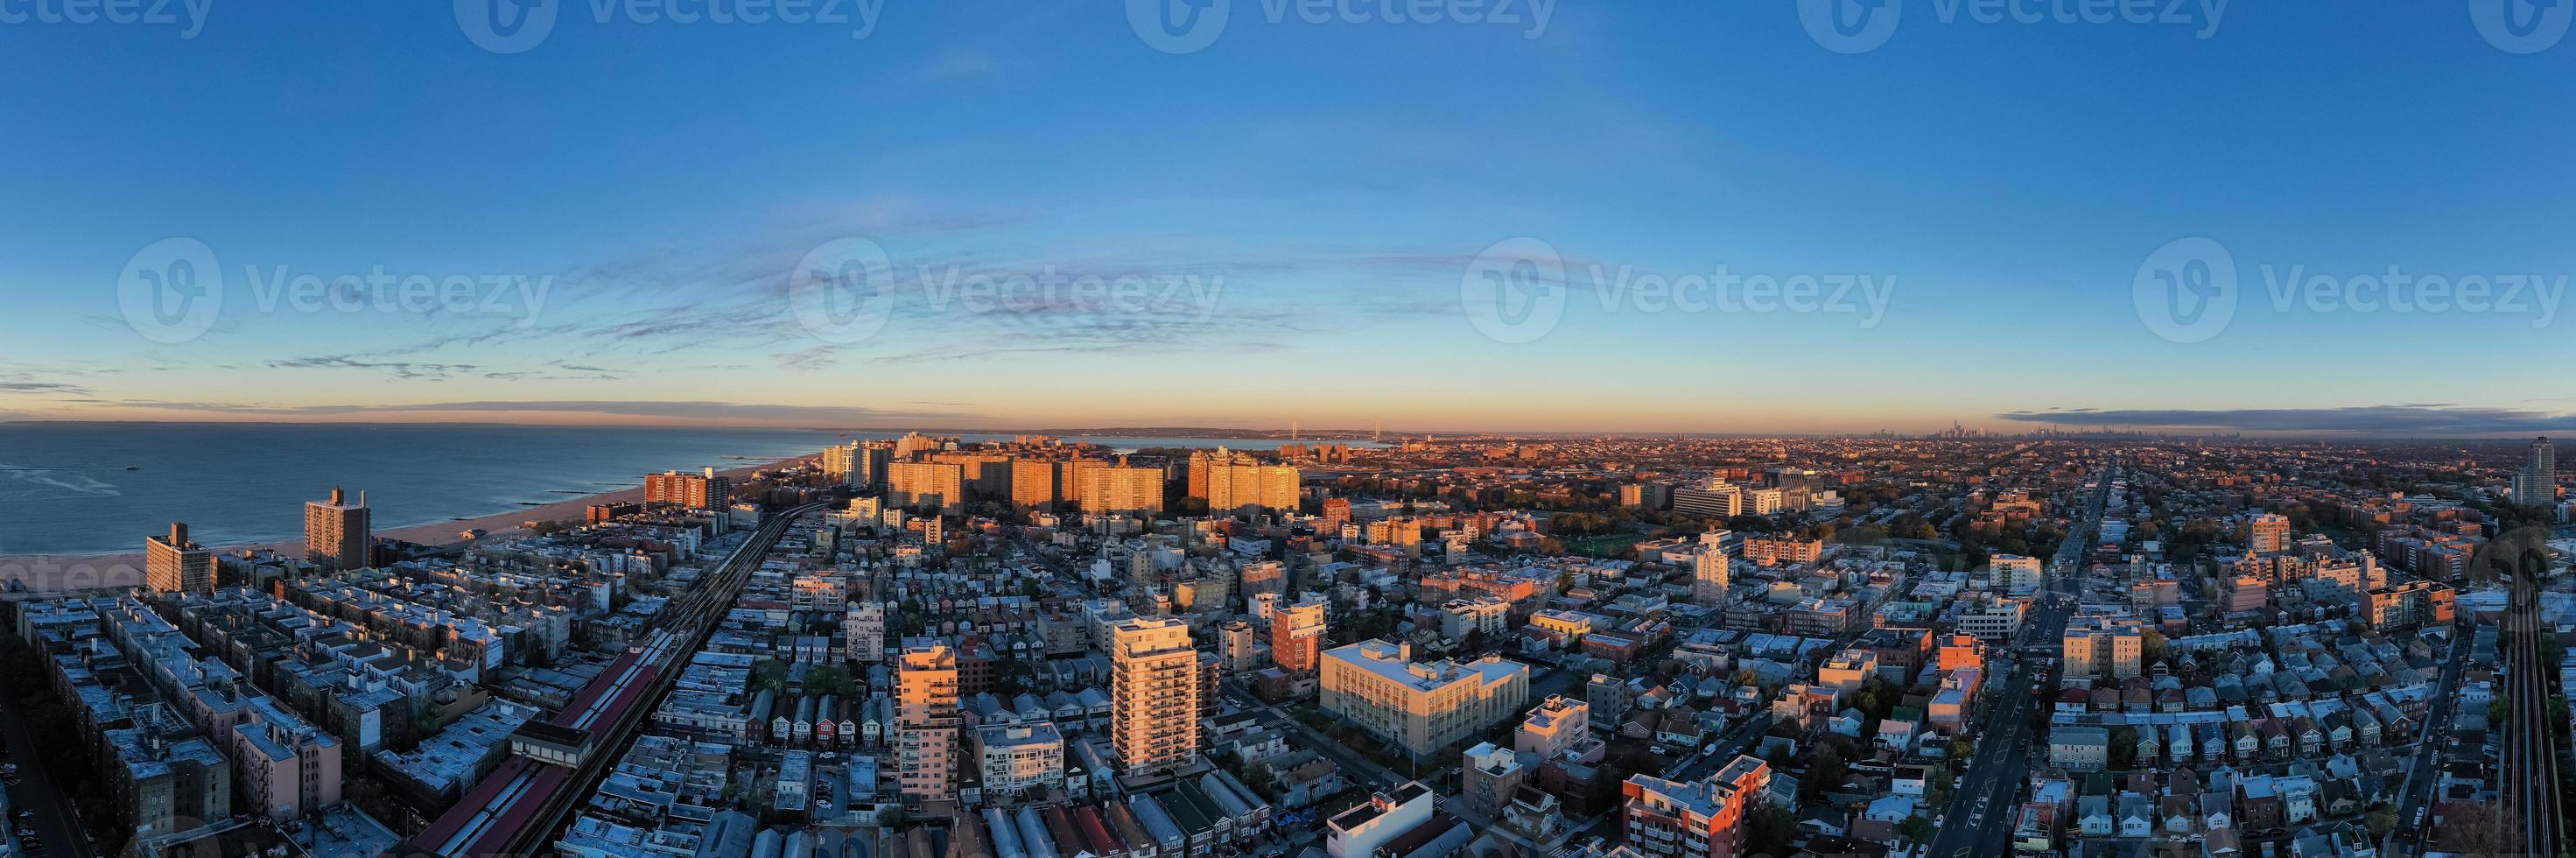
1975	252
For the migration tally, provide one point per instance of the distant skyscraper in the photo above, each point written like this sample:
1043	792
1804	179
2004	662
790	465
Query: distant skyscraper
1154	688
1103	487
935	485
336	533
858	464
1236	483
2537	484
172	564
1033	484
914	443
841	462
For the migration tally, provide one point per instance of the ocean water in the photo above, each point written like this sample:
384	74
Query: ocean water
65	489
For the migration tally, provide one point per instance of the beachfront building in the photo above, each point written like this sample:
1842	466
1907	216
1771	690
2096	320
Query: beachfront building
172	564
336	535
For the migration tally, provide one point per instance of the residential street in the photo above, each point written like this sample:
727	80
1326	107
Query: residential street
57	832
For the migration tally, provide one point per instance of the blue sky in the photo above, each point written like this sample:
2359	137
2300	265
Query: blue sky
1301	201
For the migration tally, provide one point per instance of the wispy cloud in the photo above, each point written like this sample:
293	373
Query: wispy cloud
960	64
674	410
406	370
2419	420
43	387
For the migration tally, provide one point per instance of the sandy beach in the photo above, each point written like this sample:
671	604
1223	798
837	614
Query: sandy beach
81	571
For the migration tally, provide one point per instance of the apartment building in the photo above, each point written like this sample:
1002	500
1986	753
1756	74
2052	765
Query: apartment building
927	485
1235	483
336	534
1017	758
1154	691
2410	604
2103	647
1359	831
1107	488
172	564
2267	533
1555	725
1033	484
167	776
1777	549
1709	576
2014	572
703	490
1485	614
1419	707
1297	635
1235	641
926	723
863	632
1698	819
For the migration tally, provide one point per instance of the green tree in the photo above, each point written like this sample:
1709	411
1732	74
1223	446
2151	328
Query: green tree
1916	828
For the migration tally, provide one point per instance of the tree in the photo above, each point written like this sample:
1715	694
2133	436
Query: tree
2124	748
769	673
2479	829
828	680
2151	647
1826	771
1916	828
1768	830
2381	821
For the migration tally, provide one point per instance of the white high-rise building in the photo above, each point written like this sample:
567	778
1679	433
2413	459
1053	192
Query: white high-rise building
1708	577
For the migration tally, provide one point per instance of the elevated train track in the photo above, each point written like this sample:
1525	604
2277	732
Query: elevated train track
556	764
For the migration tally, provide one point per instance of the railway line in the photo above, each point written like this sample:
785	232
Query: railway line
557	763
2530	754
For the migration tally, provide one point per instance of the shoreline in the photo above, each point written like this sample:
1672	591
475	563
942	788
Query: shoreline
55	572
